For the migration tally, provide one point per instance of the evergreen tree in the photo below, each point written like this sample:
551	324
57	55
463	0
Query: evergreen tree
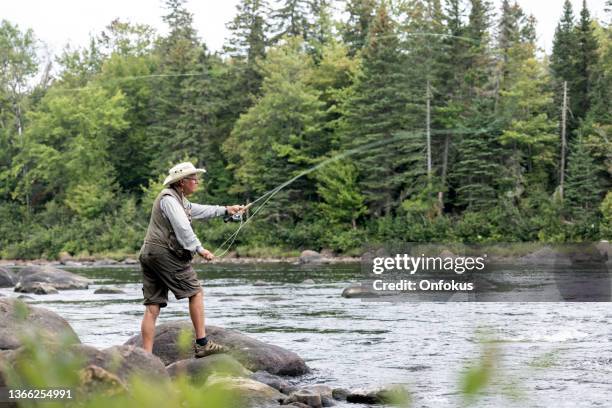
375	113
586	59
248	31
601	91
477	171
355	30
178	126
563	60
291	19
279	136
478	75
341	200
247	45
583	193
322	28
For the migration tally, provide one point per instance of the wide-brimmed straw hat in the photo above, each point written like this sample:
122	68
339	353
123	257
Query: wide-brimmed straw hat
180	171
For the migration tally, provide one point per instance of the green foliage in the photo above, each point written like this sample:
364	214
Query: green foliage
279	136
82	157
606	211
58	365
337	187
583	190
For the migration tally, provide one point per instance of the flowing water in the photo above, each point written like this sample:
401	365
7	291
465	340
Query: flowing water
546	354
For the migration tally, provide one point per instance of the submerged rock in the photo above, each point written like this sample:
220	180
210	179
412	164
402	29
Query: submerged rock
274	381
395	394
255	355
358	291
38	288
340	394
105	290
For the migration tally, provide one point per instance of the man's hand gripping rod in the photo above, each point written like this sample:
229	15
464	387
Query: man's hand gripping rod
238	216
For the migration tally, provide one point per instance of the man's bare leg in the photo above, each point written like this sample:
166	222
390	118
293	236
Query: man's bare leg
196	312
147	328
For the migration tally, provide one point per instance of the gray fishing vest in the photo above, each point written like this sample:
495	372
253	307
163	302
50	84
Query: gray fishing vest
160	230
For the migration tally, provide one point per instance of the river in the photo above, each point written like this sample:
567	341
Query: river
545	354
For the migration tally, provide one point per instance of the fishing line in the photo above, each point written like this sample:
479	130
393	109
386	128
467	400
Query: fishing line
271	193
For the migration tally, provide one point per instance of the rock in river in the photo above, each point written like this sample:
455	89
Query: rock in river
38	288
255	355
57	278
17	317
7	279
199	369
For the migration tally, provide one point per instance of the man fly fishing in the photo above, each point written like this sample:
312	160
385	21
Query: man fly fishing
167	252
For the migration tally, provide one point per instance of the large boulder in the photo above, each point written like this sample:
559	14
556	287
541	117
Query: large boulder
58	278
7	278
95	379
255	355
199	369
246	392
123	361
16	317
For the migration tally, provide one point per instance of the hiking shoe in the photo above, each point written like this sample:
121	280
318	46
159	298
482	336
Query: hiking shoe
210	348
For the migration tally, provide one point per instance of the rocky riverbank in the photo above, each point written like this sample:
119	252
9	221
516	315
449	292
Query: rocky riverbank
306	257
257	373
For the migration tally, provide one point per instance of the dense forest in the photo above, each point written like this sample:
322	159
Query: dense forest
425	121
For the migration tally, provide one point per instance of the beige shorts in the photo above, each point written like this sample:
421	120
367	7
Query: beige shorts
162	270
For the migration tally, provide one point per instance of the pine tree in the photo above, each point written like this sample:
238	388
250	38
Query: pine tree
583	193
279	136
425	50
291	19
601	91
176	129
341	200
322	28
355	30
476	173
563	61
479	71
564	43
585	59
248	31
375	113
